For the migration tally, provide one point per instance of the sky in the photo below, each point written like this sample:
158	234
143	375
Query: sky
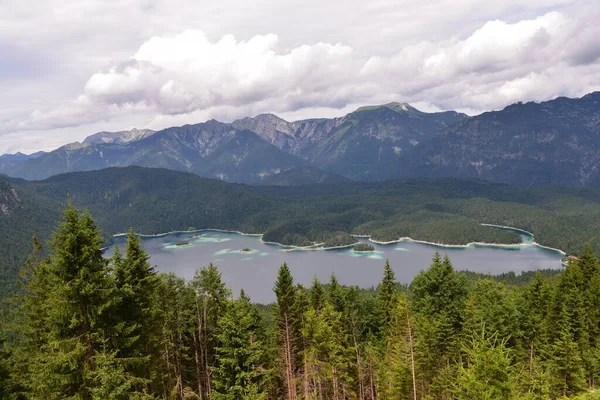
69	68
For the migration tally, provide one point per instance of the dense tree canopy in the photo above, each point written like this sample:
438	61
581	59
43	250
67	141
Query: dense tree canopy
84	327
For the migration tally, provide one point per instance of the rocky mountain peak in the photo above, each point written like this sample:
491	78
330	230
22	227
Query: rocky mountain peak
120	137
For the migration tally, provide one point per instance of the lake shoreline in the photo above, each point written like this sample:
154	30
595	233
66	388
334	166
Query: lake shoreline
319	246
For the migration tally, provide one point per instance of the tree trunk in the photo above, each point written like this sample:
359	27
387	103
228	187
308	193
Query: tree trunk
372	381
208	385
412	357
334	382
305	376
291	385
178	373
197	360
359	366
531	360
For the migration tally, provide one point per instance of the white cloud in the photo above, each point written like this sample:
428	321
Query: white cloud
187	72
162	63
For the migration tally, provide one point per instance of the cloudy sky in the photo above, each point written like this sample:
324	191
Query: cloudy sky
72	68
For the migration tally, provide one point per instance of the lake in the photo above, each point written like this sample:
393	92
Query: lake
255	270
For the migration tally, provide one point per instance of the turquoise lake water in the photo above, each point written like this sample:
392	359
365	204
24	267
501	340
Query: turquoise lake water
255	270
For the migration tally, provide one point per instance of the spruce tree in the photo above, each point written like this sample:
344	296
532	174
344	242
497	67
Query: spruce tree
568	370
438	297
71	294
285	291
569	325
533	337
210	300
317	294
336	295
135	281
387	297
174	302
487	373
241	373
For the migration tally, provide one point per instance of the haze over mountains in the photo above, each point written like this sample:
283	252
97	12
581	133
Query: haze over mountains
554	142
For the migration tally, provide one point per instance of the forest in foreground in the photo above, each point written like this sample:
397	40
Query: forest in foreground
84	327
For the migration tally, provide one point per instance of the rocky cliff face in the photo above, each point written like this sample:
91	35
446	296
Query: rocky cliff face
9	198
554	142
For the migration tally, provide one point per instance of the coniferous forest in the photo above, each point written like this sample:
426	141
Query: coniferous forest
84	327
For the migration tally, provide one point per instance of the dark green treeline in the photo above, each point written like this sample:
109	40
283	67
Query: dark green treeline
84	327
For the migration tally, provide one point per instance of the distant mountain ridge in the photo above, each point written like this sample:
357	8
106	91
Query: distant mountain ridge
554	142
8	161
211	149
357	146
548	143
360	145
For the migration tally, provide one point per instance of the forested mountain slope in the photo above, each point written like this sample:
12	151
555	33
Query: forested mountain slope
554	142
152	201
361	145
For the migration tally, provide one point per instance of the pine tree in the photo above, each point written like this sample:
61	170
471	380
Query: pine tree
493	306
70	295
174	302
569	323
328	354
397	372
317	294
135	283
589	267
568	371
241	373
488	372
387	297
438	297
210	301
533	337
336	295
285	291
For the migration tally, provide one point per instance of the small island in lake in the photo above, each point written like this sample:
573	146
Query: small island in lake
182	243
363	247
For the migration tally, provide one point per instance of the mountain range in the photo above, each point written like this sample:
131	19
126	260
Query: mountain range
553	142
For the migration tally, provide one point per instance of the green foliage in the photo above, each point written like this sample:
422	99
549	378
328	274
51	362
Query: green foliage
83	327
488	371
154	201
363	247
241	373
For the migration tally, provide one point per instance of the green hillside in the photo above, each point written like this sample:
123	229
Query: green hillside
157	200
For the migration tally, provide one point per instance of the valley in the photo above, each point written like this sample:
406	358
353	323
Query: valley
153	201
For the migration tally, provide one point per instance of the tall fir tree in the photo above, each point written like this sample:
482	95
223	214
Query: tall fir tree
387	297
317	294
487	373
135	284
242	372
71	294
438	297
210	300
285	292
